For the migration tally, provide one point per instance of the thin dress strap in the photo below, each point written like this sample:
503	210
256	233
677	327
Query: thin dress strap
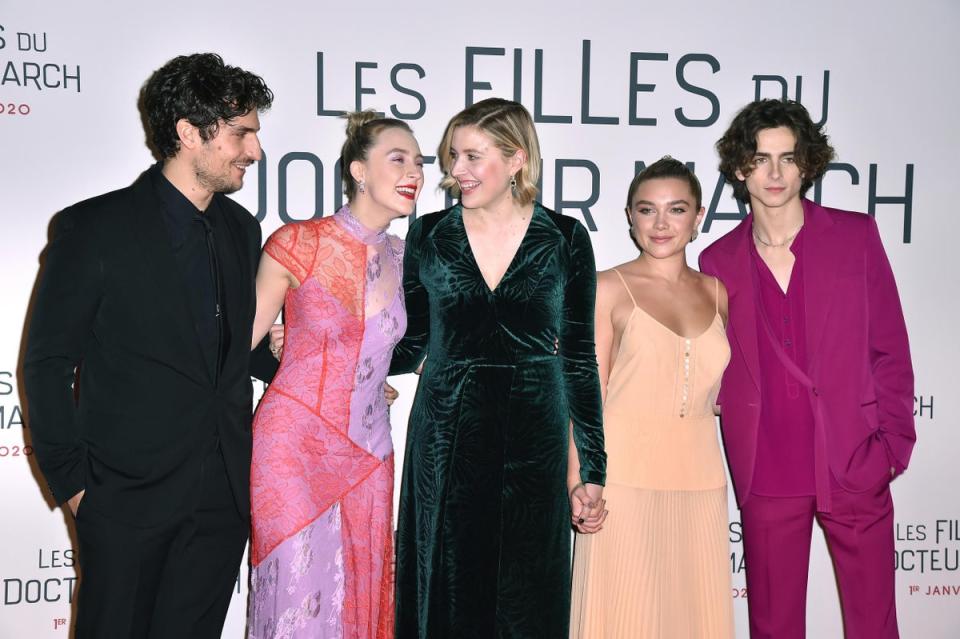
625	286
716	295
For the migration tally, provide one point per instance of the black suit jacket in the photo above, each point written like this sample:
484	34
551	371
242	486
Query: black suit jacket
110	301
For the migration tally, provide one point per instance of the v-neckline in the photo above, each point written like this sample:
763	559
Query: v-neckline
513	259
693	338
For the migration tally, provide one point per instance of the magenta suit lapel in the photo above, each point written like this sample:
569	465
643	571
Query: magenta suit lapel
821	250
742	297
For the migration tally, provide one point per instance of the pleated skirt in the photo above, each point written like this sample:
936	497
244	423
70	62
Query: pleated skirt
659	569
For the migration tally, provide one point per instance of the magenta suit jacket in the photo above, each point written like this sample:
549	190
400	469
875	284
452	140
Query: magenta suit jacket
858	359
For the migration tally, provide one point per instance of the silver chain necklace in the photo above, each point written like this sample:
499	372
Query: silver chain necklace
787	241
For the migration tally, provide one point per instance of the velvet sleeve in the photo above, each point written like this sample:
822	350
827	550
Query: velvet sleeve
889	352
411	350
578	350
61	325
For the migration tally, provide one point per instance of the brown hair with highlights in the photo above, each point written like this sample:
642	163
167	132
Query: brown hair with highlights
666	167
511	128
363	129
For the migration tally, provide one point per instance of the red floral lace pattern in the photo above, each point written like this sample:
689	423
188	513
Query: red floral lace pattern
303	459
368	556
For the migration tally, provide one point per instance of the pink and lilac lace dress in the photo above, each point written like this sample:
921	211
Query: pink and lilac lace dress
322	472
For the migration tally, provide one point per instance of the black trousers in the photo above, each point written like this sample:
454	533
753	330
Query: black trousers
169	581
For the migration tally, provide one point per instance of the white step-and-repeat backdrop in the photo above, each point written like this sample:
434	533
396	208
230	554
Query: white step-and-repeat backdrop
611	85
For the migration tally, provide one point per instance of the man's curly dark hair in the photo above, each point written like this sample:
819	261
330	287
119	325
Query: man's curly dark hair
739	144
202	89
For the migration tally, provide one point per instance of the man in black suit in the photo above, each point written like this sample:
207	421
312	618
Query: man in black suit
138	362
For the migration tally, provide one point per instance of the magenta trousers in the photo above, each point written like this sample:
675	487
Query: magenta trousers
859	533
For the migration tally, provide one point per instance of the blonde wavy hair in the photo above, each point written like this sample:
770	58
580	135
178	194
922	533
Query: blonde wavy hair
510	127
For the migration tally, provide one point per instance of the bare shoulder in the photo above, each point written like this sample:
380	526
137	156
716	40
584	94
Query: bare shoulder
705	280
612	285
608	287
607	278
716	291
613	277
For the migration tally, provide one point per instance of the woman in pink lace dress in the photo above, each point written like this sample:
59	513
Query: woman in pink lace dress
322	471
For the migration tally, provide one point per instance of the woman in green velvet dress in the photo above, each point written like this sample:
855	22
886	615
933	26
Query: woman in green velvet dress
500	305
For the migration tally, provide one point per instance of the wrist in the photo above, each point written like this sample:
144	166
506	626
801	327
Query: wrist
588	476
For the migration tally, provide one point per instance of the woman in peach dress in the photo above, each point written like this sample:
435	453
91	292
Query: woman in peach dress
659	568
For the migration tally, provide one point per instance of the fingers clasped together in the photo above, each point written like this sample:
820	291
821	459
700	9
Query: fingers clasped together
588	508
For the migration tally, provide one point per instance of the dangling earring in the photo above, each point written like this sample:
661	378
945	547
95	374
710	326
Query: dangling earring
362	186
696	233
513	184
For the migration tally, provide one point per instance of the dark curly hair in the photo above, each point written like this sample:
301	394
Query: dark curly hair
666	167
739	144
202	89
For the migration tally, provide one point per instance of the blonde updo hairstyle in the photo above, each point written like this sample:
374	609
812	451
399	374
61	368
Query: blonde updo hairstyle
363	129
510	127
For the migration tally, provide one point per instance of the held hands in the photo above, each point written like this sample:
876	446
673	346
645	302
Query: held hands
74	502
588	507
276	340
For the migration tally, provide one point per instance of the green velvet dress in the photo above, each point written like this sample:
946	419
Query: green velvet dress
483	546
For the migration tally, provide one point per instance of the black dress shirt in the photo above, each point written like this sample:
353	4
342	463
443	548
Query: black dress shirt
192	238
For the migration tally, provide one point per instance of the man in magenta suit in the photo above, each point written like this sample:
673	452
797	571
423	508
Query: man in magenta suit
817	401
